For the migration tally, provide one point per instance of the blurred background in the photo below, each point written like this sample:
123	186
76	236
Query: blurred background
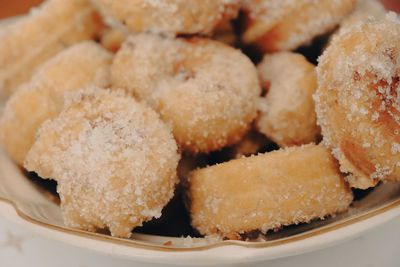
392	5
10	8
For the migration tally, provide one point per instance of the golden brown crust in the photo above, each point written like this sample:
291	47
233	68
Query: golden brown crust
205	89
114	161
357	101
267	191
83	64
38	36
287	113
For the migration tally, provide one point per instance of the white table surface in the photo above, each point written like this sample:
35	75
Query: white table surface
21	247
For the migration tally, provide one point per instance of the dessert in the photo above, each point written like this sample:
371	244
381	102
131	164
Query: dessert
267	191
107	112
357	101
205	89
83	64
38	36
287	113
114	161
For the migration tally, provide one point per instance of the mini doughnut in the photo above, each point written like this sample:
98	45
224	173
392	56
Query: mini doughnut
205	89
113	158
86	63
267	191
285	25
287	114
358	101
168	17
35	38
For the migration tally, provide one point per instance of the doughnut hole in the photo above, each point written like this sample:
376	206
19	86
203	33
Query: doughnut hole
357	101
204	89
114	161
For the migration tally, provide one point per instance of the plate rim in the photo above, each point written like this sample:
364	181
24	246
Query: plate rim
320	238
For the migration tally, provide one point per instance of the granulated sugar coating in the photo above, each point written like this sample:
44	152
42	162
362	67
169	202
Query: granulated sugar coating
168	17
83	64
177	84
113	158
38	36
285	25
267	191
205	89
358	100
287	113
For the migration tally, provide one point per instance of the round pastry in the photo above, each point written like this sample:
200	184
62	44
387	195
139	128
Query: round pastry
287	113
287	24
35	38
168	17
114	161
205	89
42	98
267	191
357	101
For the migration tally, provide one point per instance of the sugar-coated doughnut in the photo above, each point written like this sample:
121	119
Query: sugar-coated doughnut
287	113
168	17
204	88
35	38
357	101
83	64
287	24
114	161
254	115
267	191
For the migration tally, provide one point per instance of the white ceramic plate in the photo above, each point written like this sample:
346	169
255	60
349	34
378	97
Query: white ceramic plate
22	202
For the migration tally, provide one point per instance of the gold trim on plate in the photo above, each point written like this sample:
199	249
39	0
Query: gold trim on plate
133	243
